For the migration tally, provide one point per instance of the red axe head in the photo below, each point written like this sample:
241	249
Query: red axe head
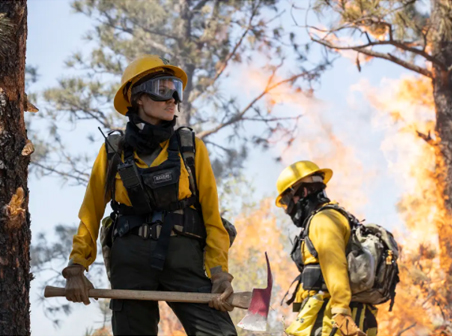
256	317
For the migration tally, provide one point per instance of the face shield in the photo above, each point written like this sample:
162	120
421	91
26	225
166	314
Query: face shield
161	88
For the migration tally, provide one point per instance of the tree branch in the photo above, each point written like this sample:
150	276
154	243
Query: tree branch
78	178
376	54
406	329
237	45
199	5
240	115
392	58
395	43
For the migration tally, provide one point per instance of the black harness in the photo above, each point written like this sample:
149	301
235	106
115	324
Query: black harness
156	210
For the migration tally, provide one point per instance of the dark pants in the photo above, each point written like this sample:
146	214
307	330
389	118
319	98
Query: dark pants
183	272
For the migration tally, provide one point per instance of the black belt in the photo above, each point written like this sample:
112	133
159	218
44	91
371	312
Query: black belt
175	206
144	226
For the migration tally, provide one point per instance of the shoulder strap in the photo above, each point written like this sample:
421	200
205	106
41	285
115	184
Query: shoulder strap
305	235
187	146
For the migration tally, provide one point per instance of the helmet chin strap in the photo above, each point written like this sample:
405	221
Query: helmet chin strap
303	209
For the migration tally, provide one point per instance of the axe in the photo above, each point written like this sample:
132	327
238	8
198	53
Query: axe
257	302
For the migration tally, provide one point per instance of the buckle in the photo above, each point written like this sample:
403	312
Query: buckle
155	231
144	230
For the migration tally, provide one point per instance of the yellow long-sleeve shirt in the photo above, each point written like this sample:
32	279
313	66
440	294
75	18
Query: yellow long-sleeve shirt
329	232
84	249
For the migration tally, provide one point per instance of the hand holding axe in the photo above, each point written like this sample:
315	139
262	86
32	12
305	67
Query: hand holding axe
257	302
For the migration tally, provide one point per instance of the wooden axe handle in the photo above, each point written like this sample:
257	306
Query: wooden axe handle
239	300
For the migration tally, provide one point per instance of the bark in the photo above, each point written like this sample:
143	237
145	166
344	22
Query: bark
442	92
14	217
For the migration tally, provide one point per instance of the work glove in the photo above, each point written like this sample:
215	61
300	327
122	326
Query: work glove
221	283
77	285
346	325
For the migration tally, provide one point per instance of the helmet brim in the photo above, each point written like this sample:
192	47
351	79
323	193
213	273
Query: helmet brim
328	174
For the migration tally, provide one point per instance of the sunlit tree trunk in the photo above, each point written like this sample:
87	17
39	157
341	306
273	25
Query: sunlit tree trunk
442	91
14	217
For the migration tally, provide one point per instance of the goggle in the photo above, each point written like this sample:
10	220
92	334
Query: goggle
162	88
288	195
291	192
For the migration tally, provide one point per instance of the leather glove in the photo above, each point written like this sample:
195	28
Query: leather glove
77	285
221	283
346	325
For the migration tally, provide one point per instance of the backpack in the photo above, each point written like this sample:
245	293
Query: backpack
372	255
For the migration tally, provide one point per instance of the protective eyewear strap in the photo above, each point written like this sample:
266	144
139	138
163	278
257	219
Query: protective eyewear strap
148	86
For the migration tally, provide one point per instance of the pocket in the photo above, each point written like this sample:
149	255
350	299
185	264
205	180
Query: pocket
305	321
116	305
295	254
163	186
312	277
120	321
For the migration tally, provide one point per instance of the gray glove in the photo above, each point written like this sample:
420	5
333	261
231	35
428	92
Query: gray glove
77	285
221	283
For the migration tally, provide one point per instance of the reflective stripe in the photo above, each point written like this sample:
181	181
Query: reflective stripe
354	311
361	317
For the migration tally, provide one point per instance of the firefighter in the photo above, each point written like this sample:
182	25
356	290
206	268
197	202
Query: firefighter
164	235
323	296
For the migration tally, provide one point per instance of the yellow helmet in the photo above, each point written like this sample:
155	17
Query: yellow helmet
295	172
142	66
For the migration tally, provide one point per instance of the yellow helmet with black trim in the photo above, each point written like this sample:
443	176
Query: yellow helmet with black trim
295	173
139	68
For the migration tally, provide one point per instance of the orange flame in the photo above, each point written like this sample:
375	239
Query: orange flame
406	109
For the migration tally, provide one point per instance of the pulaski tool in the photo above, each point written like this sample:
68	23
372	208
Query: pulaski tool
257	302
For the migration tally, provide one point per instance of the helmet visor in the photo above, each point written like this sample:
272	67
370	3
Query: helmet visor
161	88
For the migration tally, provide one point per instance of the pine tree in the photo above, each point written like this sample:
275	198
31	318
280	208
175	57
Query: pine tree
207	39
15	149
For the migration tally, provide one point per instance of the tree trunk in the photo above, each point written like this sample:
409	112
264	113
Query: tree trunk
14	217
442	92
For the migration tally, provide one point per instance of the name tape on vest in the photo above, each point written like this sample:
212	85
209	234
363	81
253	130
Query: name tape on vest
162	178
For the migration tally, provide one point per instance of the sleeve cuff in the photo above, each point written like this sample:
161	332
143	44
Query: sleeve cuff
344	311
79	261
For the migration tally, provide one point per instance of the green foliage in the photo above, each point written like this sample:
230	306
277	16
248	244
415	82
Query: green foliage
405	16
418	35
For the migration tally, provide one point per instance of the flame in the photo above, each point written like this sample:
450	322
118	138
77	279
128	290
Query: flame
405	110
317	140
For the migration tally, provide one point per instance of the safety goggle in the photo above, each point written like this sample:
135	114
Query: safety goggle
162	88
291	192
